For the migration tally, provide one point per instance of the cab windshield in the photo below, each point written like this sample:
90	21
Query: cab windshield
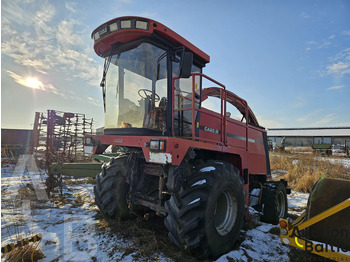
136	88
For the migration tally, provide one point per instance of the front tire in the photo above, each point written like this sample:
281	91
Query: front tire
205	217
111	189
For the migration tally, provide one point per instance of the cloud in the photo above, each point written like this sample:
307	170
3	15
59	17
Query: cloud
13	13
346	32
24	51
304	15
299	101
66	35
307	117
48	46
41	20
324	121
319	45
335	87
94	102
82	65
32	83
268	123
340	64
337	68
71	6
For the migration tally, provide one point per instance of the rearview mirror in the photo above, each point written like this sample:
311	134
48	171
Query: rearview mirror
186	65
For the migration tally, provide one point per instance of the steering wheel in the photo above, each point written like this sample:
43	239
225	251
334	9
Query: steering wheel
143	94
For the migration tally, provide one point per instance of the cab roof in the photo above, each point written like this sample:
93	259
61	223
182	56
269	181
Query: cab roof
128	28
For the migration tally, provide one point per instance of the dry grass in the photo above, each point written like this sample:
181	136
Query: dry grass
304	170
144	238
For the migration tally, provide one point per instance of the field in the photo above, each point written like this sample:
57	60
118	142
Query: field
73	229
302	169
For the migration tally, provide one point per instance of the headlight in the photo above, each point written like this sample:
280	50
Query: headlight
113	27
157	145
284	231
141	25
285	240
124	24
96	36
118	24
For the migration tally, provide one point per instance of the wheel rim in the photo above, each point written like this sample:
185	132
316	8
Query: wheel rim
281	204
225	213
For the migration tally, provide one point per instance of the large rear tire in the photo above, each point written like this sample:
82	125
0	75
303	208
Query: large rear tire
111	189
274	199
205	217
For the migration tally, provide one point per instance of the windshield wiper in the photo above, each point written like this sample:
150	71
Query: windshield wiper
105	70
106	65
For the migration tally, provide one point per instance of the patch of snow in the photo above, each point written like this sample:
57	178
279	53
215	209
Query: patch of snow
207	169
254	197
278	172
194	201
344	161
259	245
200	182
296	162
253	211
69	231
297	203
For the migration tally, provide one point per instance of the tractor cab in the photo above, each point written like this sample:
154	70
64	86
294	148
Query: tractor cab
142	57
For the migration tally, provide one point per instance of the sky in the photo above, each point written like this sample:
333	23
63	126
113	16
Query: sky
289	59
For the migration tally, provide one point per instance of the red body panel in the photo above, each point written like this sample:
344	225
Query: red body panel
241	142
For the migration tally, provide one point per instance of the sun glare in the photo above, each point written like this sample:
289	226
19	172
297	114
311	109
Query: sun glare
33	82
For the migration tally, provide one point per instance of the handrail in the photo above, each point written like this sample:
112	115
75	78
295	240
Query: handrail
223	97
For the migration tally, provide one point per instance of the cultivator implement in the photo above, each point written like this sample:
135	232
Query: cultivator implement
59	137
22	250
324	228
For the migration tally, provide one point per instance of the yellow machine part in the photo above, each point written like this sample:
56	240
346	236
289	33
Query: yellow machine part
324	228
17	251
334	230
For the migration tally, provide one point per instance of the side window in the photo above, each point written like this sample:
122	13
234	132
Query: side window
213	104
183	100
234	113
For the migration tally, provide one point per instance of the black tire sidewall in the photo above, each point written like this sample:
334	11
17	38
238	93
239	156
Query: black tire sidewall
121	193
270	199
220	244
112	175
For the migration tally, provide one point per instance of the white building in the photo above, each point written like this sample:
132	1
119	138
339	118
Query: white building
309	136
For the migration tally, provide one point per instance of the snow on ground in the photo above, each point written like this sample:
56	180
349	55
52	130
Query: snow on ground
345	162
259	245
70	228
278	172
297	203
